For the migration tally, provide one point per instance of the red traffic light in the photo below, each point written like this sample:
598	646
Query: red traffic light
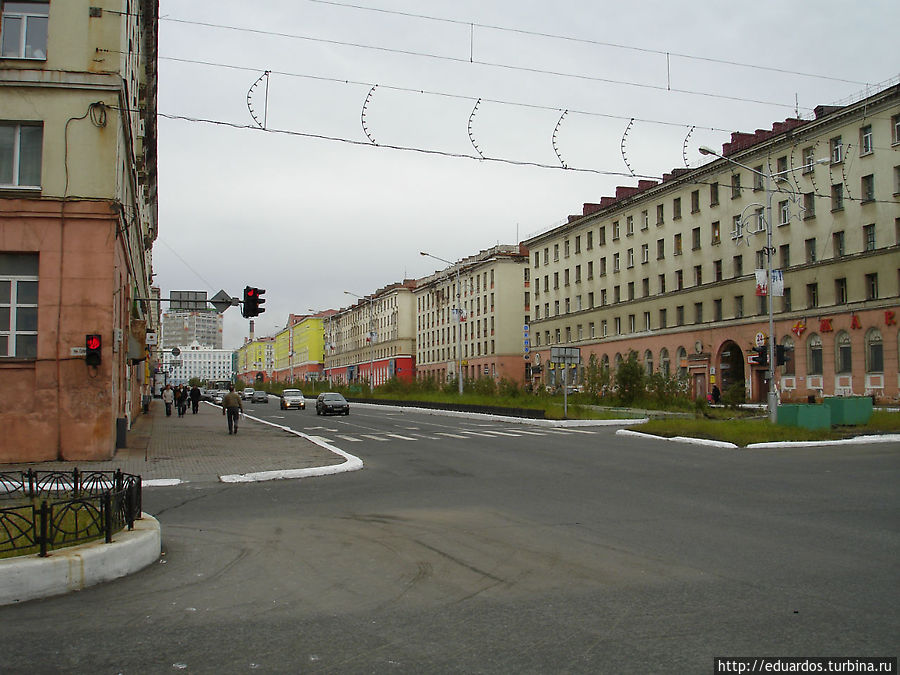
92	353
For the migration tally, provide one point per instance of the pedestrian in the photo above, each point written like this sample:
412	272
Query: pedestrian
195	399
168	397
181	400
232	408
717	395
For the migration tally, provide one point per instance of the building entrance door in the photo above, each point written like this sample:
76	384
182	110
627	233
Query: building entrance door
698	386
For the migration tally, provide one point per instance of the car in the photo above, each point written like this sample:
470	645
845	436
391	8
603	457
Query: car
247	394
292	398
332	403
218	395
259	397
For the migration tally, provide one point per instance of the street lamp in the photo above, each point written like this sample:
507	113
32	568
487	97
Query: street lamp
459	377
371	337
770	177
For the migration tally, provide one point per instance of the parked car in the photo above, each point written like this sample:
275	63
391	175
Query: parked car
259	397
247	394
332	403
292	398
218	395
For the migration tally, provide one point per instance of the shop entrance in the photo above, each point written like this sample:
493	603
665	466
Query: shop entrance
731	366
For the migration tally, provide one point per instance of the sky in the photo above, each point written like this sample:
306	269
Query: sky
389	127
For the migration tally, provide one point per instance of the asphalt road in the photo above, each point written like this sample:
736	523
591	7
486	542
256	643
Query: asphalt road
470	546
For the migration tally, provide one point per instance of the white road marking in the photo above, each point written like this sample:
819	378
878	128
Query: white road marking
442	433
374	438
351	439
402	438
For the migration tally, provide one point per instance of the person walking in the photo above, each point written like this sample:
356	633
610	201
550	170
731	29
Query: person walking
168	397
181	400
195	399
232	407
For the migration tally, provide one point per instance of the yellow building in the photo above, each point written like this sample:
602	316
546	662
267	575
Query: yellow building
299	348
256	360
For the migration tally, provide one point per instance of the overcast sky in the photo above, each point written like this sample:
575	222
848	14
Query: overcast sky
310	208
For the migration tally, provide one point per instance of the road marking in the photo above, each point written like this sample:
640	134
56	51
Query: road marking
402	438
479	433
442	433
530	433
322	439
374	438
351	439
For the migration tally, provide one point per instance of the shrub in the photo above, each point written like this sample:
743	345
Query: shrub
630	379
734	395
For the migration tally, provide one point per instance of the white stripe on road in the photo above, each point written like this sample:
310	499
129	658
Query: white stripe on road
442	433
351	439
374	438
402	438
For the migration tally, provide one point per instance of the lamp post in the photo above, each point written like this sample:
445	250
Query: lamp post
371	337
459	378
770	178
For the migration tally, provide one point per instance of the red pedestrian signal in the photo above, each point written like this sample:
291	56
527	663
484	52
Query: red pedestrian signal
252	301
92	354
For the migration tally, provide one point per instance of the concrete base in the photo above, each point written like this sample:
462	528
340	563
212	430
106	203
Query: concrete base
77	567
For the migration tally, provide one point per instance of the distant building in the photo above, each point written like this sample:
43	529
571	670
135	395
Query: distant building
196	361
256	358
182	327
300	347
78	218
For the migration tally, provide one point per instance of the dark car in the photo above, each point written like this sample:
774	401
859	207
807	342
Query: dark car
259	397
332	403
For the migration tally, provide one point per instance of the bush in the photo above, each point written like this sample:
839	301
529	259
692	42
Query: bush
735	395
630	379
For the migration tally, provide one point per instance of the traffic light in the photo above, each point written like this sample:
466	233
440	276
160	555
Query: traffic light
252	301
783	355
762	358
92	344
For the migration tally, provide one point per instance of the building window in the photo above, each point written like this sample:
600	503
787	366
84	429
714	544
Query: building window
18	305
717	309
837	243
788	344
698	275
615	262
578	244
617	294
566	248
603	329
840	291
662	283
679	315
632	325
717	270
810	250
660	249
872	286
735	185
698	312
784	252
602	236
577	274
758	178
809	159
566	276
23	33
809	205
645	284
679	280
812	296
555	252
865	140
738	261
837	150
677	245
676	208
895	129
843	352
869	237
786	300
695	201
784	212
556	280
713	194
867	188
590	240
629	225
645	220
662	318
20	155
716	233
874	352
660	214
630	258
602	267
618	324
814	359
739	307
695	238
648	362
615	230
590	270
631	290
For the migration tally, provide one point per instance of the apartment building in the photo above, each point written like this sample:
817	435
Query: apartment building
668	269
374	339
182	327
196	361
486	338
256	359
300	348
78	218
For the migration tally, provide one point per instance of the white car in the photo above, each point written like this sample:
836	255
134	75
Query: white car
292	398
247	394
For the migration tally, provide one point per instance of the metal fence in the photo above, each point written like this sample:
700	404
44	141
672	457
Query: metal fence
54	509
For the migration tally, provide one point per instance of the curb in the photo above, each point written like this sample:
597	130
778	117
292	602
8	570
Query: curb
886	438
77	567
512	420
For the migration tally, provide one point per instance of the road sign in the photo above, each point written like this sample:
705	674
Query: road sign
221	301
568	355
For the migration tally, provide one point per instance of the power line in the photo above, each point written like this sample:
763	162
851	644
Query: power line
596	43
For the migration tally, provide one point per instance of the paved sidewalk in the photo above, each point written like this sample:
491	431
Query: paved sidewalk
198	448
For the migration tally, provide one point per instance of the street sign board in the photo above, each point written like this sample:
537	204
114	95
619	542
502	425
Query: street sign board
565	355
221	301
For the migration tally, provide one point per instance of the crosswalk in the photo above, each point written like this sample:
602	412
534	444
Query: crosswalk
331	435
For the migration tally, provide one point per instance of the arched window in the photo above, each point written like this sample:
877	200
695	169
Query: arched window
618	361
681	355
604	363
648	361
788	343
664	361
813	355
843	353
874	352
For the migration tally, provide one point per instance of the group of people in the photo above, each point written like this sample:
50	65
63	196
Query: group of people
179	397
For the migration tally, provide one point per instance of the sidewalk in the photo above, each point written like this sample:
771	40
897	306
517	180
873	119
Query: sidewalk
197	448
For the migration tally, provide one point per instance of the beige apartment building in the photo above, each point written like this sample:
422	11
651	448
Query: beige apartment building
78	218
374	339
668	269
492	343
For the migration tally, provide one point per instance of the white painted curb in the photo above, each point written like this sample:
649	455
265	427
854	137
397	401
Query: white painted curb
887	438
504	418
679	439
77	567
352	462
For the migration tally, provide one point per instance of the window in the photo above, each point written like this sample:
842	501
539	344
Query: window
18	305
865	140
590	270
679	315
631	290
837	243
840	291
837	150
618	325
676	208
662	283
578	244
630	258
591	300
677	245
874	352
566	276
546	256
566	248
695	238
661	248
23	32
869	237
786	300
809	205
632	324
537	259
788	343
814	355
577	274
812	296
784	252
758	179
698	312
735	185
717	270
602	236
617	294
645	253
20	155
895	129
695	201
738	261
615	230
603	328
645	220
781	165
592	330
716	233
664	361
648	362
615	262
679	280
662	318
867	188
629	226
717	309
698	275
556	280
810	250
645	286
872	286
843	352
739	307
714	193
602	267
555	252
590	240
809	159
784	212
660	214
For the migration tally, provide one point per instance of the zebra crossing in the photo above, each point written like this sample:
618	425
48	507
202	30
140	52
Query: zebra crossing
331	435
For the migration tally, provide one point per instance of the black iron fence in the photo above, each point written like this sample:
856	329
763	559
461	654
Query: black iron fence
45	510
